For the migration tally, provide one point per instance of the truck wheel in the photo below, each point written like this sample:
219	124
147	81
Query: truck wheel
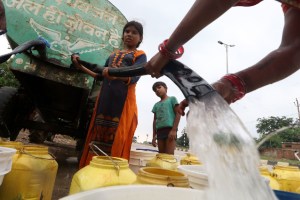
8	111
37	136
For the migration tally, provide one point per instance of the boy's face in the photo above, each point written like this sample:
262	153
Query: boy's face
160	91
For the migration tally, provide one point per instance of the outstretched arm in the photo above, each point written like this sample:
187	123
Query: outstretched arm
201	14
281	62
277	65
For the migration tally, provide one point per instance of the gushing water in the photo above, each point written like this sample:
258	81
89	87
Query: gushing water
222	143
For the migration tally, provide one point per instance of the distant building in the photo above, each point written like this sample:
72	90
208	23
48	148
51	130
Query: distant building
287	151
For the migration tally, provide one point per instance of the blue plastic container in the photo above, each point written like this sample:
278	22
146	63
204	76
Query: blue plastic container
282	195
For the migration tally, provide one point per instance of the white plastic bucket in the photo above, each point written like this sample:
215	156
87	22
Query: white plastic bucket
5	161
139	158
196	174
138	192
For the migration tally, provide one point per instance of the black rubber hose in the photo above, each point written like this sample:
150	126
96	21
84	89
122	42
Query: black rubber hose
190	83
135	70
38	44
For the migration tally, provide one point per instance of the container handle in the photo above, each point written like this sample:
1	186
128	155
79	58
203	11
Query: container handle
24	152
169	161
92	146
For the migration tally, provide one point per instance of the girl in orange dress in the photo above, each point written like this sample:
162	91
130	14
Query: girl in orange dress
114	119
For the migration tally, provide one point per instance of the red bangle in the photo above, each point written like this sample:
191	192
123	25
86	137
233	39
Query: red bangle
167	53
238	84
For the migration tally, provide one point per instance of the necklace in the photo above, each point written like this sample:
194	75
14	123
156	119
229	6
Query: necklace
118	58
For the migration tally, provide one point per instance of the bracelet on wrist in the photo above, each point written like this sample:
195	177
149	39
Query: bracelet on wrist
238	84
167	53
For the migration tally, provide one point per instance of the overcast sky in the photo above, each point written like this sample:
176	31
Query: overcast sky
254	31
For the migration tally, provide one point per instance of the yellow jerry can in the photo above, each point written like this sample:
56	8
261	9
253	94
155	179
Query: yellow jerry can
101	172
166	161
273	183
190	159
288	177
160	176
32	175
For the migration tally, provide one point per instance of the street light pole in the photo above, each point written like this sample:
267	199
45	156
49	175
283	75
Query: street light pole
226	48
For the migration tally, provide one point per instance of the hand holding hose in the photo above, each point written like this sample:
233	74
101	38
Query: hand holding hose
157	62
75	58
225	89
155	65
231	87
105	73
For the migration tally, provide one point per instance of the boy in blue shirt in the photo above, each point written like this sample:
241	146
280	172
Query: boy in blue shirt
166	120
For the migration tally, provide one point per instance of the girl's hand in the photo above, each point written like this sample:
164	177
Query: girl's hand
155	65
75	58
106	75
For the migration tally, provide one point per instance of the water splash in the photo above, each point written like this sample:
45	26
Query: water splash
222	143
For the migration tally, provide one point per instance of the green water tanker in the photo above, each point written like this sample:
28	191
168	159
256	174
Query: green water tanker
53	97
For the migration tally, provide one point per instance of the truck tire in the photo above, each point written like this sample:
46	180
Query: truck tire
8	111
37	136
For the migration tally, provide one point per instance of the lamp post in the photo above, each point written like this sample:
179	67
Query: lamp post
226	48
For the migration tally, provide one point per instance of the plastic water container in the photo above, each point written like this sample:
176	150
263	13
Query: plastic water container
102	171
272	182
190	159
165	161
196	174
12	145
288	177
139	192
6	155
32	176
160	176
139	158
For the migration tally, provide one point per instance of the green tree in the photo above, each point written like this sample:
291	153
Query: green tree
266	126
183	140
134	140
291	135
6	76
